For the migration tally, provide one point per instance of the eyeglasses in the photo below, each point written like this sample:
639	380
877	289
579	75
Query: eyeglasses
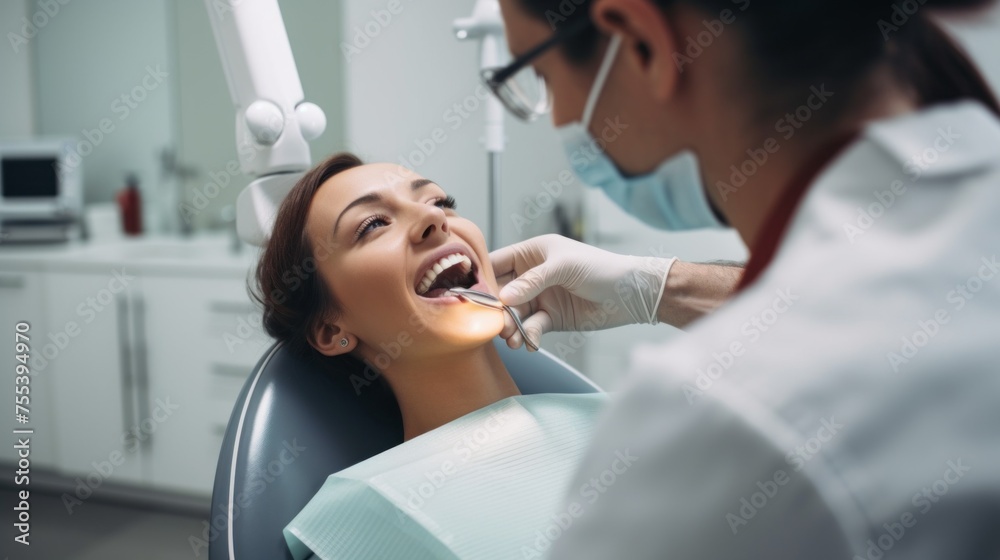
518	86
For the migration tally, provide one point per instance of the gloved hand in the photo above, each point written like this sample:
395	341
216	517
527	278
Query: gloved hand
558	284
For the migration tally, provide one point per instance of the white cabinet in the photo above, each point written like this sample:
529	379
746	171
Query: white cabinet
21	300
146	345
202	346
152	375
95	374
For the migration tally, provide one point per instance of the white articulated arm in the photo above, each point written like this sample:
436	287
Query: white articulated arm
273	123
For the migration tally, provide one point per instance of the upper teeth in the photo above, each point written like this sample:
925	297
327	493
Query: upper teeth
445	262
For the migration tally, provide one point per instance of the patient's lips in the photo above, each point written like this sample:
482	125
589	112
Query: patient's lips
449	271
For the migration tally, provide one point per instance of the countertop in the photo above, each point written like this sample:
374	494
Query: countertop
202	254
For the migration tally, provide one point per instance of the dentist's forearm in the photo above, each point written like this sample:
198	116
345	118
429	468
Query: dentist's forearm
695	289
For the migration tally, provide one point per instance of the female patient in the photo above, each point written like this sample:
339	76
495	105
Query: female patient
482	470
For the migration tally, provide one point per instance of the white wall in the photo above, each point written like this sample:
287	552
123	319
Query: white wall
111	62
17	108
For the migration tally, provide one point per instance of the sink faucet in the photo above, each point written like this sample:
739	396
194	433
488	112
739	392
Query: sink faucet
173	171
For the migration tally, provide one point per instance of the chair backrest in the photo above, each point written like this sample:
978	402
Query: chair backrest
296	421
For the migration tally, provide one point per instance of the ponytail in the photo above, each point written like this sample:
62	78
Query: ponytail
939	70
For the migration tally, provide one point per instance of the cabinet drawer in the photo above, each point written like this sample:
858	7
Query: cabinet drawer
234	328
226	380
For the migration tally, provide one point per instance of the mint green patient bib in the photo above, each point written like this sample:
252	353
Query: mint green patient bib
486	485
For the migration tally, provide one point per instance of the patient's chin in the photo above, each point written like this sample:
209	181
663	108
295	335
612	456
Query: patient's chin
467	326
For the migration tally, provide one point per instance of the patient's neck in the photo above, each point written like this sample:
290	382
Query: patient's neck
434	391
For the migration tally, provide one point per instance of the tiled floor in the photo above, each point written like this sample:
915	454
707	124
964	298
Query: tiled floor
97	531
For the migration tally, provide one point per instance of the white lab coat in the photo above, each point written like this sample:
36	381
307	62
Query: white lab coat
853	410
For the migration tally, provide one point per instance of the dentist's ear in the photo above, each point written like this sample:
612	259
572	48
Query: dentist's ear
650	44
330	340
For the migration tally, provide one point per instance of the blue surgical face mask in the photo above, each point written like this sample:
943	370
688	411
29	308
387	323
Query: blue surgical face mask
670	197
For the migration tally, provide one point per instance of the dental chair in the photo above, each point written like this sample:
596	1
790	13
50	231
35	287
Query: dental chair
297	420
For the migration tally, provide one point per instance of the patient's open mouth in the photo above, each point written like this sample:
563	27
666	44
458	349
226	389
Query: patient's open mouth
455	270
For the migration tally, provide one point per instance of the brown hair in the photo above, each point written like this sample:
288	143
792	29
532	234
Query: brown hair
294	298
795	44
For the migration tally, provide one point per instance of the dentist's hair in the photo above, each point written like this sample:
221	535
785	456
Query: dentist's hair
796	44
288	285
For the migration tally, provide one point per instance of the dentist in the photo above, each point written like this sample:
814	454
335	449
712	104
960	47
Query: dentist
845	402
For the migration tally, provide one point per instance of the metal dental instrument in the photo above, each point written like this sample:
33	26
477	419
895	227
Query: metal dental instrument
490	300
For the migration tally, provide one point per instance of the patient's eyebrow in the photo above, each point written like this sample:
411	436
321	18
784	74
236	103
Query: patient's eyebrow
375	197
417	183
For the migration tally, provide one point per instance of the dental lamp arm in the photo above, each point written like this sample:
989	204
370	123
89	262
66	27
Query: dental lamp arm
273	122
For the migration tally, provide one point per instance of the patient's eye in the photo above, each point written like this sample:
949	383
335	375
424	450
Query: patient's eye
366	225
446	202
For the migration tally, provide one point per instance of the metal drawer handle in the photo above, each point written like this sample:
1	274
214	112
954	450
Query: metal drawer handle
125	355
236	308
231	370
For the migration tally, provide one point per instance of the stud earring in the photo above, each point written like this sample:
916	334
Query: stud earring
343	342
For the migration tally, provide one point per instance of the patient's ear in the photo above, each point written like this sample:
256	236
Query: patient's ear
328	339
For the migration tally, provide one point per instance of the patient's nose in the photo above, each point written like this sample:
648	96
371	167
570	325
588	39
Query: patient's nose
432	223
431	229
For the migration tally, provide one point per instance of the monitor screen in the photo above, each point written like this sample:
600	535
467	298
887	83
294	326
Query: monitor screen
26	177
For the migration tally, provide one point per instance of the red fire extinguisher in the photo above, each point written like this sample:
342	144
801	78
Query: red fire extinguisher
130	205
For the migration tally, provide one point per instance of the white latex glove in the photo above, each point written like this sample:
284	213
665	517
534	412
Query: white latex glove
558	284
